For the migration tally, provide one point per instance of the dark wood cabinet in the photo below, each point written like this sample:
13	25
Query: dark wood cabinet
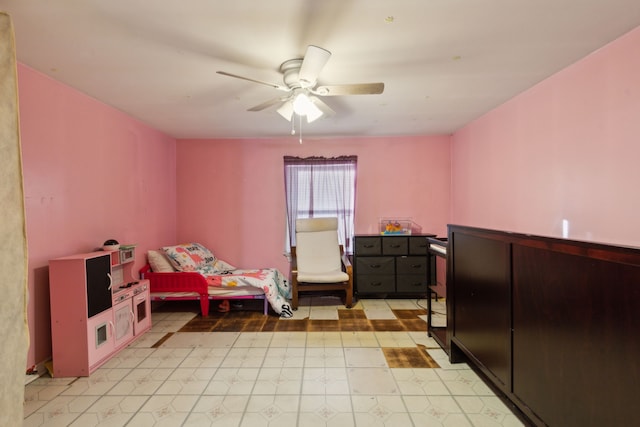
552	323
391	265
482	311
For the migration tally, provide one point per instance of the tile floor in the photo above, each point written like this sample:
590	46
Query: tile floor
177	375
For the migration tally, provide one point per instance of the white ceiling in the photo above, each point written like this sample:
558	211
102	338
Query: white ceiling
444	62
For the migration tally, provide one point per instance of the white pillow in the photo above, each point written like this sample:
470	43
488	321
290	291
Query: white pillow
189	256
159	262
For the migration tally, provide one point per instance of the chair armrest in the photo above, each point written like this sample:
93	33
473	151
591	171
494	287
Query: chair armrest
293	264
346	263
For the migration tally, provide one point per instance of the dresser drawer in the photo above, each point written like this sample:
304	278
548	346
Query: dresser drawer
375	265
368	283
368	246
411	283
418	246
395	245
412	265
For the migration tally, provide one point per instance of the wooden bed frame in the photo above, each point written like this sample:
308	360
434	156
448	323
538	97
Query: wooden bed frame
180	286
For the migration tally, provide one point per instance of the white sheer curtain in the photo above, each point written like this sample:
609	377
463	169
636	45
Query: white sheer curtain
318	187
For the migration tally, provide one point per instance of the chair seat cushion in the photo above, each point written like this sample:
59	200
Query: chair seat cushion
330	277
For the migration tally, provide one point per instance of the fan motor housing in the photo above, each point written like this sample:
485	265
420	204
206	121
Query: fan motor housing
291	70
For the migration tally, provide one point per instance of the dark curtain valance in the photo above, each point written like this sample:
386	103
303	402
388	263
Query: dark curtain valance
292	160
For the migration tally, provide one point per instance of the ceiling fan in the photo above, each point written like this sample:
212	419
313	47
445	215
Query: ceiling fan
302	95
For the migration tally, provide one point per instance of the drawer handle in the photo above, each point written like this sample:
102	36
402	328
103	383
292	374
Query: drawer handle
375	265
369	246
416	265
395	246
376	284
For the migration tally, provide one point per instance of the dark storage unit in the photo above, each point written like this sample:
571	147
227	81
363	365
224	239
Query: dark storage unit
391	265
552	323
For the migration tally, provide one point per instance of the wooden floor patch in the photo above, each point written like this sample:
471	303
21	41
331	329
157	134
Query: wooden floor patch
408	357
251	319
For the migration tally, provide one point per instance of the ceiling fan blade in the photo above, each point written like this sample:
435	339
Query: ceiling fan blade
314	61
326	110
352	89
273	85
267	104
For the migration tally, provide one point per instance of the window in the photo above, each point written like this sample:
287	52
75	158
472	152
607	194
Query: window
318	187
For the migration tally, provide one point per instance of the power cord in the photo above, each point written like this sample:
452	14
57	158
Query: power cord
426	308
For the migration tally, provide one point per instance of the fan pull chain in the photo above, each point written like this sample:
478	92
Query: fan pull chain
300	126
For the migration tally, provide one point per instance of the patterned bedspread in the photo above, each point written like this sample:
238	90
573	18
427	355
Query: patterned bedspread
270	280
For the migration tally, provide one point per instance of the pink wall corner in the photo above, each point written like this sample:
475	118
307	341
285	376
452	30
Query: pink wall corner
231	192
565	150
90	173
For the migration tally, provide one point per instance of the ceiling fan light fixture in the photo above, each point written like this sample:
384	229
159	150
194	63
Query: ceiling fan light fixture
301	104
314	113
304	106
286	110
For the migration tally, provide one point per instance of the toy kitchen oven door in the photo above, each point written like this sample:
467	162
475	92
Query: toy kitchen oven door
132	311
141	307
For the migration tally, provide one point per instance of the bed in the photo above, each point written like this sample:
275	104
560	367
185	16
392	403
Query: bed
177	286
191	272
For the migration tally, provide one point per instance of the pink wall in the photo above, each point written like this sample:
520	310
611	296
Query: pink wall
90	173
231	192
567	149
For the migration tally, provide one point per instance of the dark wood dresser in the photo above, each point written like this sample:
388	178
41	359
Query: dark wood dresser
391	265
